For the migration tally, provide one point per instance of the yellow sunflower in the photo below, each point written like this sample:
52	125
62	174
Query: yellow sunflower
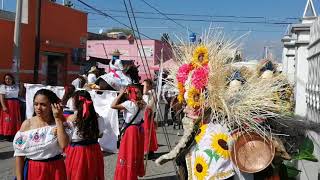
220	144
195	98
200	168
201	133
200	50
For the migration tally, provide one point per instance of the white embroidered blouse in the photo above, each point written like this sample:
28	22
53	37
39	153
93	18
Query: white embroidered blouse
9	91
37	144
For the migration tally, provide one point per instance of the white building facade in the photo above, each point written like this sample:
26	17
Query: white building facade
301	64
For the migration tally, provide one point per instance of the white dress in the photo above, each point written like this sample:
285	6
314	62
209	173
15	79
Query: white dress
116	78
37	144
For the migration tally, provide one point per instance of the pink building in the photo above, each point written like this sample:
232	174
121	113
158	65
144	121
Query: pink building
129	50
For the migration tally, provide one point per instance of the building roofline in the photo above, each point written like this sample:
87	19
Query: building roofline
7	15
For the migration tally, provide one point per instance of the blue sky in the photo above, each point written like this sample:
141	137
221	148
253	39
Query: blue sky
262	34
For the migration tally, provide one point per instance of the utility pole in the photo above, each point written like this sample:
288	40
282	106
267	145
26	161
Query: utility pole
2	4
17	42
37	43
266	52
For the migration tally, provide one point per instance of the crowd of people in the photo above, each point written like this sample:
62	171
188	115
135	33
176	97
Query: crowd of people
60	140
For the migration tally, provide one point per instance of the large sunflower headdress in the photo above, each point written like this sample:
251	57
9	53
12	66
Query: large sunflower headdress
200	50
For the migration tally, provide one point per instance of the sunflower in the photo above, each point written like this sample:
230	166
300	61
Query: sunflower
201	132
200	168
220	144
195	98
200	50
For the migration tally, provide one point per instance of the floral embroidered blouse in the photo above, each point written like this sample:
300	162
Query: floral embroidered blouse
37	144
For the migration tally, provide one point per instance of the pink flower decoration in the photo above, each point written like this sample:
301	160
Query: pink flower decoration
199	77
183	73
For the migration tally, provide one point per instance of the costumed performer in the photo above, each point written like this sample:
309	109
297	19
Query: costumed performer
130	163
38	144
150	134
84	159
118	76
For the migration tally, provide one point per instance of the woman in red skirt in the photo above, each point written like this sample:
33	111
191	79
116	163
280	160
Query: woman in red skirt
38	144
130	163
84	157
10	117
150	135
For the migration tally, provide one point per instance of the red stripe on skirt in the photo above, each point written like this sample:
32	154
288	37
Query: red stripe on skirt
130	163
53	170
10	122
150	134
84	162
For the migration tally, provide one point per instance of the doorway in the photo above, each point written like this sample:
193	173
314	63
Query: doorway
55	70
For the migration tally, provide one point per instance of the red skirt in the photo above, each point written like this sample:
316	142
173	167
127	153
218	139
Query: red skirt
84	162
130	163
150	135
53	170
10	122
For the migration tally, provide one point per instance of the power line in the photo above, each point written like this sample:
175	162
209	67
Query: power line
106	15
165	15
203	15
206	20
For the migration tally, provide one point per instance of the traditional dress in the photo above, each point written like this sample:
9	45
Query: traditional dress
84	158
116	77
209	158
150	135
10	121
130	163
43	154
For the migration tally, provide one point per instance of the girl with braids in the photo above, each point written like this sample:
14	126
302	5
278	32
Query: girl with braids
39	142
84	158
130	158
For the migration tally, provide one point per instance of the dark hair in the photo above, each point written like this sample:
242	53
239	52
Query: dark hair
149	81
69	90
52	97
133	73
87	128
11	76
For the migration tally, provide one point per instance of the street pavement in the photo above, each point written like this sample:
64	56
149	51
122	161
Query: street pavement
165	172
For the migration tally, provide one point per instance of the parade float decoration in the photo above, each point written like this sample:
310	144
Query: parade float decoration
121	74
231	114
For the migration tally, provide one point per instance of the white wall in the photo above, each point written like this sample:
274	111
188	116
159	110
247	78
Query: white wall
301	80
311	170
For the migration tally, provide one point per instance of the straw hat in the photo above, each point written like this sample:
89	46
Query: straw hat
93	69
115	53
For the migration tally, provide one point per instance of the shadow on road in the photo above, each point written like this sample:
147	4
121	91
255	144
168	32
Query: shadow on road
105	154
6	155
156	155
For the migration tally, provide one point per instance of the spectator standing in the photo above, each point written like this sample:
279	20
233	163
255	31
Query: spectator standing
10	116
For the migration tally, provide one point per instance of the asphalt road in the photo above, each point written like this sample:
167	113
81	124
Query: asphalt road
165	172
